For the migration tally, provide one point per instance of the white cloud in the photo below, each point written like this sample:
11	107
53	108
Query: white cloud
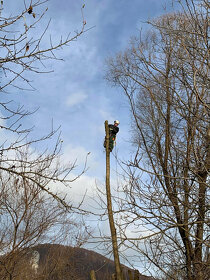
83	189
76	153
76	98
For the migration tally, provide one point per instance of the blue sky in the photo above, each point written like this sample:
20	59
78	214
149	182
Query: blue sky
76	95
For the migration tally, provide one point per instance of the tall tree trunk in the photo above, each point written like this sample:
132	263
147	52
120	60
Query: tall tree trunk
109	207
202	177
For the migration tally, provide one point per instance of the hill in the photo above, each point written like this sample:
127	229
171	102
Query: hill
64	262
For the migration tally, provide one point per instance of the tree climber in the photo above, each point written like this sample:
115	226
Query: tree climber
113	130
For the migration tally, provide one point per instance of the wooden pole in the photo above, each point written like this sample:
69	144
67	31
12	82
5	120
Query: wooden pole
113	276
109	207
92	275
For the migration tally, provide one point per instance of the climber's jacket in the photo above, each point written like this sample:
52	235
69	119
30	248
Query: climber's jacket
113	130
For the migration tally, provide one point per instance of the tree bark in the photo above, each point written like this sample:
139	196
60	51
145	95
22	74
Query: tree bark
130	275
136	275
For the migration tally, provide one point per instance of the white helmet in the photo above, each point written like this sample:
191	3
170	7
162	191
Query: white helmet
117	122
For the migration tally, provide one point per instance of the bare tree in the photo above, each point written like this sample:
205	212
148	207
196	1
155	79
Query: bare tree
31	211
30	216
24	52
165	78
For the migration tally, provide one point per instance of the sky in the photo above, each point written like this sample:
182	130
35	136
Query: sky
76	95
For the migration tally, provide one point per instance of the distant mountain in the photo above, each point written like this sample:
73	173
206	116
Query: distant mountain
58	262
65	263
